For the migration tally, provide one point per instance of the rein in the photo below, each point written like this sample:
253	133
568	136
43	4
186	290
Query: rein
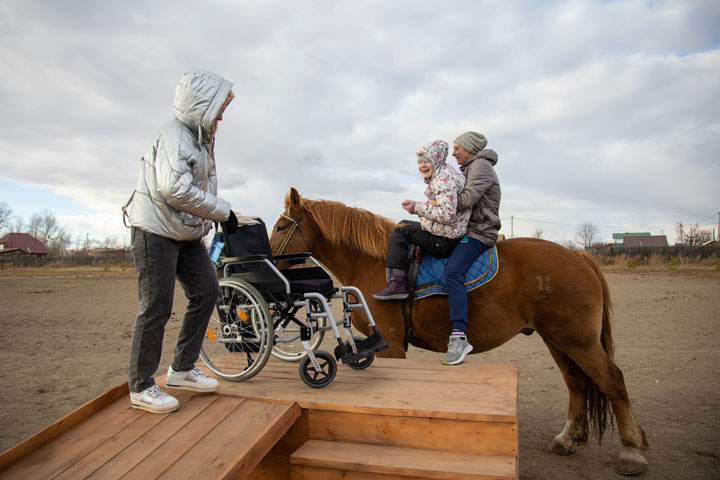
288	236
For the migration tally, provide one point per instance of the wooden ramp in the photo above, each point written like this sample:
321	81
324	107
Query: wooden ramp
399	419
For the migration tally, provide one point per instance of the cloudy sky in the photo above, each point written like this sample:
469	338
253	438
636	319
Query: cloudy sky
600	111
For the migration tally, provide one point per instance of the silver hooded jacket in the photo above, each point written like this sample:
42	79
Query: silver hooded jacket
177	188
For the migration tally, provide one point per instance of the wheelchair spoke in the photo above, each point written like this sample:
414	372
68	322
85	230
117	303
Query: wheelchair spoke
238	342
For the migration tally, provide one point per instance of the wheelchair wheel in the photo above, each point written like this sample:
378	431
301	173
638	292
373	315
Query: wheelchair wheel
287	346
238	340
362	363
328	369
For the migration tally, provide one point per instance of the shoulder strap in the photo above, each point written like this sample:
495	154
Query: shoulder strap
124	209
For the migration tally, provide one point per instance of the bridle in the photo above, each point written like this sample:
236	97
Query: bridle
288	236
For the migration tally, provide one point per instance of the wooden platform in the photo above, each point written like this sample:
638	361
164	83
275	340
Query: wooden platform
397	419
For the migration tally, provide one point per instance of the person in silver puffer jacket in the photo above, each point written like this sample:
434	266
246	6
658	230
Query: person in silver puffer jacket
176	193
170	211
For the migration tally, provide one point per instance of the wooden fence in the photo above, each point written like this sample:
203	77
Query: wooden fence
75	259
650	255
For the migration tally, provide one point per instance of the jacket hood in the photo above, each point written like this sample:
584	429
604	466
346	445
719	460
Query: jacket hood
488	154
199	96
437	153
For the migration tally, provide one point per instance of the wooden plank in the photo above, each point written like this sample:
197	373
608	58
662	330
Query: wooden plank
65	450
271	468
276	464
406	370
417	432
236	445
167	453
486	392
304	472
121	453
294	438
69	421
404	461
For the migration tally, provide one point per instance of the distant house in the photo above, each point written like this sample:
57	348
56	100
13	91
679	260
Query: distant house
22	244
620	237
645	241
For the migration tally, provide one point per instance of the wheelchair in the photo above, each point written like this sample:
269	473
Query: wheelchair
280	305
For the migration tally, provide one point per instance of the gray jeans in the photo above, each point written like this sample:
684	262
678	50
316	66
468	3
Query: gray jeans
158	261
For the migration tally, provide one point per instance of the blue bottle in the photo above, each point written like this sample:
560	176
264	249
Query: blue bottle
216	247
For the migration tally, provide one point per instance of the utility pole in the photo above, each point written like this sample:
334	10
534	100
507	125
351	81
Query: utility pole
512	226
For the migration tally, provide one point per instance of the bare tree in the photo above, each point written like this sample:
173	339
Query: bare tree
538	233
85	242
58	245
5	216
19	225
692	235
43	226
570	244
680	231
110	242
587	234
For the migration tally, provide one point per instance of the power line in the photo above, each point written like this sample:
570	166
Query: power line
620	223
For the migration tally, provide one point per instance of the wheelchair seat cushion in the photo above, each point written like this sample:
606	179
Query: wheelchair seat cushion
301	280
308	280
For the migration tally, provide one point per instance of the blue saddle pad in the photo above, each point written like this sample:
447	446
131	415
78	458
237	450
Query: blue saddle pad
430	279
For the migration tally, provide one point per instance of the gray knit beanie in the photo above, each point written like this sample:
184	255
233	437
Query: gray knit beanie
473	142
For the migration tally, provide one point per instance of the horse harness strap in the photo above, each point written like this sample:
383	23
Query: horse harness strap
295	226
407	305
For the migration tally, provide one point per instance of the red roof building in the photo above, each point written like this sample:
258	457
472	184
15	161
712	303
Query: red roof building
22	244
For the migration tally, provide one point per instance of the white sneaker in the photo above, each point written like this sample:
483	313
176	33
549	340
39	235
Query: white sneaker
193	380
154	400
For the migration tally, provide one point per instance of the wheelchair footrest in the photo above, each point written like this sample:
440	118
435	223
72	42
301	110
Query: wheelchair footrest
373	343
368	346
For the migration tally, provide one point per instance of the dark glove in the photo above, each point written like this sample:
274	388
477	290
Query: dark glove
230	226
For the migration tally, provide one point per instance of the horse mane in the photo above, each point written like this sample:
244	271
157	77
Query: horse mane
352	227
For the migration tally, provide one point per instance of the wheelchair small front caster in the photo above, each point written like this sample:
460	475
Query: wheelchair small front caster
328	369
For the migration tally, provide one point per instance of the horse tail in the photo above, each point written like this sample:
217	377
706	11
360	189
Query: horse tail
599	408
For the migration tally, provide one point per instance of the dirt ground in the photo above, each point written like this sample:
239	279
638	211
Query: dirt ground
66	334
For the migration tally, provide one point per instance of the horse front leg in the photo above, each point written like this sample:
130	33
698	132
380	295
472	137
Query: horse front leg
575	432
395	338
389	322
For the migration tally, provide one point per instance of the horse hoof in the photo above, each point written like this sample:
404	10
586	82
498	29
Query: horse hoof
631	462
558	448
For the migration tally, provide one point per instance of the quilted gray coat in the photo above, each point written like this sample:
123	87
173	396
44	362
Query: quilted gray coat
176	192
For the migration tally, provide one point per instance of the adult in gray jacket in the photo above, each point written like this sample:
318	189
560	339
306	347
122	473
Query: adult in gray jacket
481	193
170	211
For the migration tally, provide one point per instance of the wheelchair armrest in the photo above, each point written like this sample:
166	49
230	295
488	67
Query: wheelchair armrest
244	259
292	258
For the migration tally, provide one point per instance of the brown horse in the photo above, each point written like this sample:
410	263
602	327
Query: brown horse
560	293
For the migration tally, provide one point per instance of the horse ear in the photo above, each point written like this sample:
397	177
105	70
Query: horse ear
294	198
292	201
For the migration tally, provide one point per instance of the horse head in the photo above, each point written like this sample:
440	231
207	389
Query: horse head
292	232
329	228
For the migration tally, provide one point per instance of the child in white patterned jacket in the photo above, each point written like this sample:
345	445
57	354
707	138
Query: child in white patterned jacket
441	225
